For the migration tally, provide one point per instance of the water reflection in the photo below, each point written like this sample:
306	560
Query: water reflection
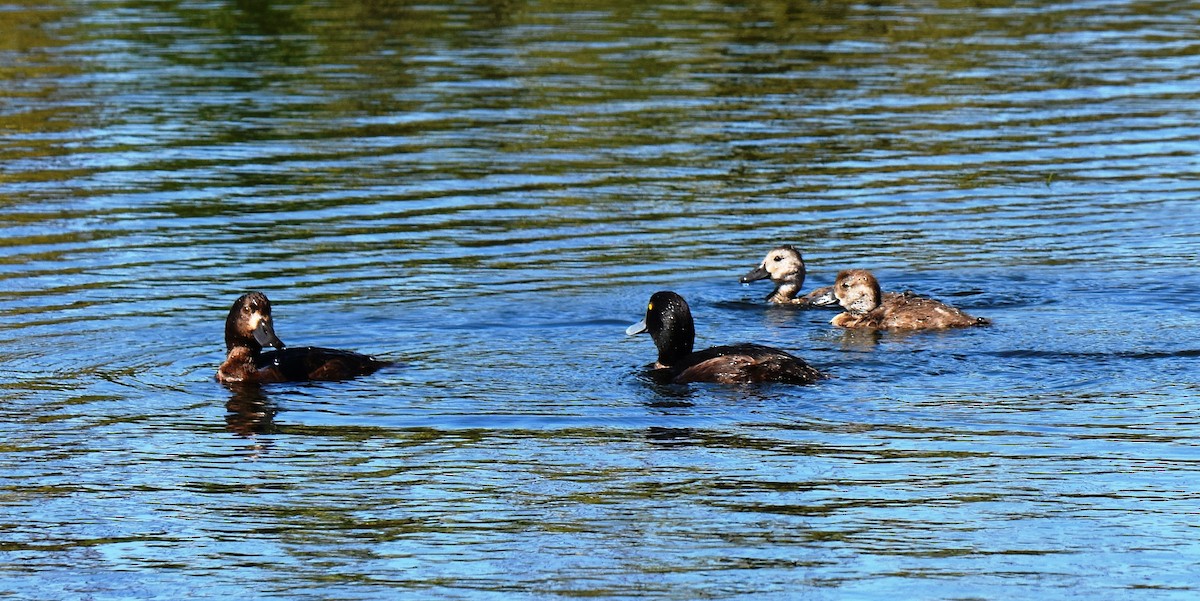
250	411
490	186
862	339
666	395
670	437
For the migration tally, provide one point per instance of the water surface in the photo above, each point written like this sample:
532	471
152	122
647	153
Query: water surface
488	193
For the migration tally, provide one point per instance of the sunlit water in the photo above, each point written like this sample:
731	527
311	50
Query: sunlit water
488	194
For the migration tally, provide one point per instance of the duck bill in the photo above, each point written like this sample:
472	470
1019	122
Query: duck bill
636	328
264	333
824	298
759	273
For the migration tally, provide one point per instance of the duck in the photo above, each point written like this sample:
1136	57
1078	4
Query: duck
785	266
669	322
249	327
858	292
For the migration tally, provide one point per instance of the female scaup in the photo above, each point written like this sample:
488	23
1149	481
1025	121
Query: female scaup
249	327
857	291
669	322
784	265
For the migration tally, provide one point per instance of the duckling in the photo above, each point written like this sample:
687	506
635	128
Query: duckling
785	266
249	327
669	321
857	291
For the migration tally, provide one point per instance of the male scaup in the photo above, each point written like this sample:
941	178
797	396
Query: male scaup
249	327
669	322
857	291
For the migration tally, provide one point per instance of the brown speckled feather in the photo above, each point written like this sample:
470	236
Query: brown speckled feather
858	292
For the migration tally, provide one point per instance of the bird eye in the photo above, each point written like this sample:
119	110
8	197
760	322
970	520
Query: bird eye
650	307
778	258
845	284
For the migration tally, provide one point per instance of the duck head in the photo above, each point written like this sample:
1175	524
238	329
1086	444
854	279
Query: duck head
857	291
249	323
669	321
784	265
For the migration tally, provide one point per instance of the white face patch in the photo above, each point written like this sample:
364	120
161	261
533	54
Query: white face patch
255	319
782	264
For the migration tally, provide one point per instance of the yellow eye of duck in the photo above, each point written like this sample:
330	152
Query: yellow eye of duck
650	307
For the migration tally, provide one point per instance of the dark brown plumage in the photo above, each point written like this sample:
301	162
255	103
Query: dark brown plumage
249	327
669	322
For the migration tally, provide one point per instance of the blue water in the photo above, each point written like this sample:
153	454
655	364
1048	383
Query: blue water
488	193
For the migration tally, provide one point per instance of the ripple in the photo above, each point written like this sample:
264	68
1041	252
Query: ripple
488	193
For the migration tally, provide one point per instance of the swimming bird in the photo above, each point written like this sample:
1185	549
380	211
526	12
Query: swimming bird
785	266
857	291
669	321
249	327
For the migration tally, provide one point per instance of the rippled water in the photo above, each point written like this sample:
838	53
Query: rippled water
489	192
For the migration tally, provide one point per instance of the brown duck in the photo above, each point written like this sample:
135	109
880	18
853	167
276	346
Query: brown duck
249	327
857	291
785	266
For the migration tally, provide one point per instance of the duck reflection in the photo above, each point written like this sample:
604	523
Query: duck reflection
251	412
671	437
860	339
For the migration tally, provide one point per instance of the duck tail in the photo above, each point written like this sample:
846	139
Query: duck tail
784	369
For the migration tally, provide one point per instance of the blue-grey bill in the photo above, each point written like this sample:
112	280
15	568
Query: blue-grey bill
636	328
